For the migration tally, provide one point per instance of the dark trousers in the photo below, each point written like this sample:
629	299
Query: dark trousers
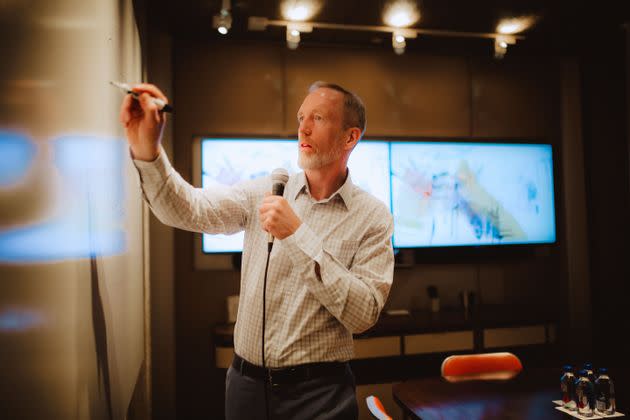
326	398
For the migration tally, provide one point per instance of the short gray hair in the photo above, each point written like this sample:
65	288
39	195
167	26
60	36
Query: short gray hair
354	109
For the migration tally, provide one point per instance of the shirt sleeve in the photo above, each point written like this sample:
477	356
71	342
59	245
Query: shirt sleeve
177	203
355	295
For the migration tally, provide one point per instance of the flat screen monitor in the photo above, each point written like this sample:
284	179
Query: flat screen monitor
471	194
227	161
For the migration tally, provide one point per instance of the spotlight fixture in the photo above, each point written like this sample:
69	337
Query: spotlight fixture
399	39
398	42
222	21
501	43
293	33
293	38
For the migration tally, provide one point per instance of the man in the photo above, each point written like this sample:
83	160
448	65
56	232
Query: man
330	269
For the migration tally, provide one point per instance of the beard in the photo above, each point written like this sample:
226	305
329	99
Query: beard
318	159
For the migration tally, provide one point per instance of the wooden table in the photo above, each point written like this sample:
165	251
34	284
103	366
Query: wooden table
527	396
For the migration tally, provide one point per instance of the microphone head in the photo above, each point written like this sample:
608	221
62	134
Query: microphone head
279	176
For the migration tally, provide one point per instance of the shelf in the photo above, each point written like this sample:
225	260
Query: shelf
448	331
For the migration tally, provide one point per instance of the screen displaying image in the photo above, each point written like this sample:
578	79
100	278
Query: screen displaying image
455	194
228	161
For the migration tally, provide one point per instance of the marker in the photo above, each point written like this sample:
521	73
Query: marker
162	106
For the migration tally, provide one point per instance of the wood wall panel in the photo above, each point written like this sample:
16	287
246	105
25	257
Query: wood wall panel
515	99
404	96
358	72
228	89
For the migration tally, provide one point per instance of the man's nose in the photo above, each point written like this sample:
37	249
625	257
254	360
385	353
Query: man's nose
305	127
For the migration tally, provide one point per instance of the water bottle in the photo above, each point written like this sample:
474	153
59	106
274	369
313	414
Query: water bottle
584	394
588	367
604	394
567	386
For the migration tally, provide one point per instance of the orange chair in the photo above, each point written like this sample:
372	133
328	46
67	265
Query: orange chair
483	366
376	408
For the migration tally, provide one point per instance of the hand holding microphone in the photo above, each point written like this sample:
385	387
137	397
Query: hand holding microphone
276	215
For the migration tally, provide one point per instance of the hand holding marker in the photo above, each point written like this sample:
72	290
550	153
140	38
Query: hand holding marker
162	106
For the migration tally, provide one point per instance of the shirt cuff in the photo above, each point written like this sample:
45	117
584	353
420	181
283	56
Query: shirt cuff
303	246
154	172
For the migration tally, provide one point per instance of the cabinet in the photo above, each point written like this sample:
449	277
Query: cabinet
435	335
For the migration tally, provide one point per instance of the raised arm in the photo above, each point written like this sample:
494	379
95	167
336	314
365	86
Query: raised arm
173	200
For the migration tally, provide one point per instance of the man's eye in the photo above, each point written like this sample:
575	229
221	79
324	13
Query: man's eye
318	117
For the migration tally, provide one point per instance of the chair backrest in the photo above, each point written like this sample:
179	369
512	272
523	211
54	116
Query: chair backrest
501	365
376	408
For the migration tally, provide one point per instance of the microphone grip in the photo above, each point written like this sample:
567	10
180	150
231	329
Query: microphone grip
276	189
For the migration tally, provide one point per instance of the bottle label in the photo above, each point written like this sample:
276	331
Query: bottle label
582	401
565	392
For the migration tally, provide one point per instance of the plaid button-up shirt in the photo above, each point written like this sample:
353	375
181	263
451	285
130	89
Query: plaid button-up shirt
310	314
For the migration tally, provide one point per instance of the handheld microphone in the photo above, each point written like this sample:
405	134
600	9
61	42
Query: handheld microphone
279	178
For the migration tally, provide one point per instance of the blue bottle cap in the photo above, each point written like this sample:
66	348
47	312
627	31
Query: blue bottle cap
588	366
567	368
582	372
602	371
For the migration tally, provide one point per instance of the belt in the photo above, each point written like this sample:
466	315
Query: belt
289	375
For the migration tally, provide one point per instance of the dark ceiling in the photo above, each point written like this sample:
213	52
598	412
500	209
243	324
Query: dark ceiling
562	25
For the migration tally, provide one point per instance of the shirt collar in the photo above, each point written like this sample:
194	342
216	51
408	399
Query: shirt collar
345	191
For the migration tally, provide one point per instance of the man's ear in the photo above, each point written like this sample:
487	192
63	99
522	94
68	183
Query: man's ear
354	134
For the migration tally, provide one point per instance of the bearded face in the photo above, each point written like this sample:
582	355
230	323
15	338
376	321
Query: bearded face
320	119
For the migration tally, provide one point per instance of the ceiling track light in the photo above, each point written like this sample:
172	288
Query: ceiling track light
398	43
501	43
222	21
293	38
293	33
399	35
